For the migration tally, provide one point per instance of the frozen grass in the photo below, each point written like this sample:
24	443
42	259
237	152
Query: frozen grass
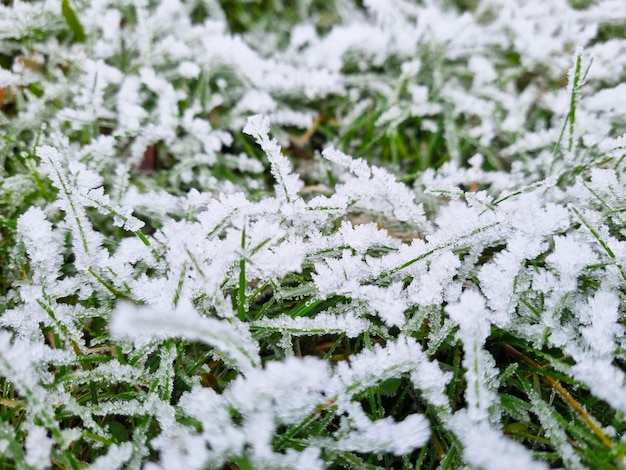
316	234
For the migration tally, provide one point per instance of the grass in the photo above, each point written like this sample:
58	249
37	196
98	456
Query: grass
185	224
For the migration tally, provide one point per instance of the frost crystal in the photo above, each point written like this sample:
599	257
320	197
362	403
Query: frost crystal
422	228
288	184
38	446
232	339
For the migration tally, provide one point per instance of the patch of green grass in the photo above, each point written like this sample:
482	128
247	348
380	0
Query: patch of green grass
94	395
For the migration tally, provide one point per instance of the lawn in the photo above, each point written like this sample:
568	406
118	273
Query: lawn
272	234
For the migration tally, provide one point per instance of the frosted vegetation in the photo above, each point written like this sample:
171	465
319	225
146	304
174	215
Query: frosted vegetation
259	236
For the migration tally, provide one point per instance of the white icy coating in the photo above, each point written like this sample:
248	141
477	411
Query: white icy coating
232	340
133	131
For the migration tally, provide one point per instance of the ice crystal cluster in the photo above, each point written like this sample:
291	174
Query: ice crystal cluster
213	255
